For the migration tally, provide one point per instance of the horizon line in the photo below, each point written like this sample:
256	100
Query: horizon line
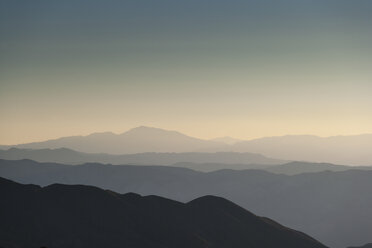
172	130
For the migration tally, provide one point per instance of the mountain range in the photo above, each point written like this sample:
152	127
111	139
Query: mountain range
68	156
62	216
349	150
137	140
333	207
205	162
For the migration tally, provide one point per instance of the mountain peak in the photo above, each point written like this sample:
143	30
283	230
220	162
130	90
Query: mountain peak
137	140
150	130
211	201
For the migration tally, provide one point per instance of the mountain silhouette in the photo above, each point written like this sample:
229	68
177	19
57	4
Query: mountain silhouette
137	140
194	160
84	216
348	150
296	167
333	207
68	156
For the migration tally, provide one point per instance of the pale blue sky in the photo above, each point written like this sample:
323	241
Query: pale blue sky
207	68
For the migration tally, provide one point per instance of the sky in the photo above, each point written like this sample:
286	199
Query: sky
245	69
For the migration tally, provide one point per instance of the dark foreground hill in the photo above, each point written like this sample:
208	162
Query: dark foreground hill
84	216
333	207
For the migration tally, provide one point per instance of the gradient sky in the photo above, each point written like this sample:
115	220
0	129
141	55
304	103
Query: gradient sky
245	69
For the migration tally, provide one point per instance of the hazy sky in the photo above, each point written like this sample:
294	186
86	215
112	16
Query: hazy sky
206	68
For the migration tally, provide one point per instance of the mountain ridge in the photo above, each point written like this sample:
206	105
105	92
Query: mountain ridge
341	149
330	206
197	161
68	156
136	140
104	218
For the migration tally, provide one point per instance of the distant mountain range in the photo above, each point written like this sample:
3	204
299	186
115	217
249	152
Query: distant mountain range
197	161
348	150
68	156
333	207
78	216
291	168
137	140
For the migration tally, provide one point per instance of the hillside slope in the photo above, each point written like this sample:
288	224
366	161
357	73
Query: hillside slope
83	216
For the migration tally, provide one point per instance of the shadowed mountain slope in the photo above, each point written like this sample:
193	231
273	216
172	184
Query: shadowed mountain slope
363	246
83	216
333	207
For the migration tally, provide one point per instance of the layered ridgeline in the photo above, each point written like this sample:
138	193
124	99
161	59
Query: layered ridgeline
197	161
333	207
83	216
68	156
348	150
